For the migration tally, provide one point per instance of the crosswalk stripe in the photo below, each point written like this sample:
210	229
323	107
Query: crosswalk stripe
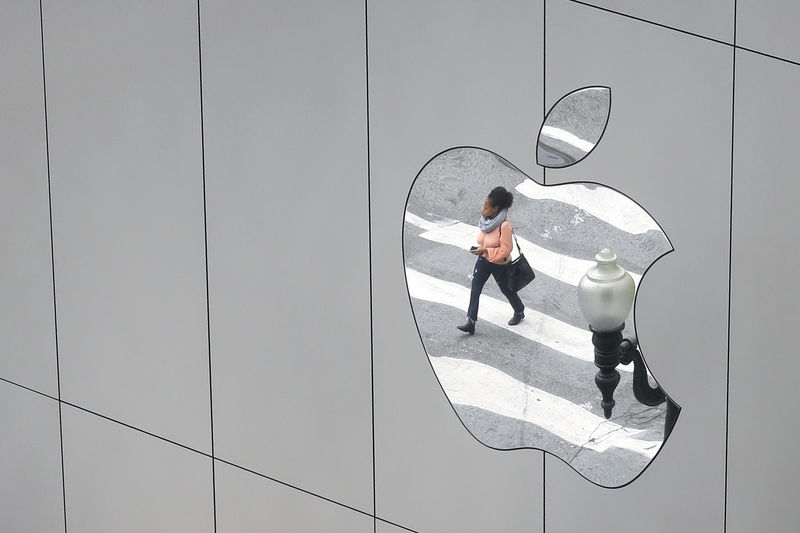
476	384
567	137
536	326
558	266
419	221
602	203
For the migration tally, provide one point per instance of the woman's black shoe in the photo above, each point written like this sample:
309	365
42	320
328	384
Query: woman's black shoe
516	319
469	327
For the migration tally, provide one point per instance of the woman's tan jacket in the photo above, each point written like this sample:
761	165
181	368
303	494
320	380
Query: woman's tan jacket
497	243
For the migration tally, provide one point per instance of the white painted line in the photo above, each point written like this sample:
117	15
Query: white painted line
419	221
561	267
567	137
476	384
536	326
602	202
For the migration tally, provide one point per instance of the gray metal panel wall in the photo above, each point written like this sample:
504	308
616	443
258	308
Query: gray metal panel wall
119	479
286	171
667	145
762	468
26	276
286	133
127	195
250	503
710	18
769	26
442	75
31	495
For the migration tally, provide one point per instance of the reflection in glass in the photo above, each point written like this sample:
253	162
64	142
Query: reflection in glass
530	385
573	127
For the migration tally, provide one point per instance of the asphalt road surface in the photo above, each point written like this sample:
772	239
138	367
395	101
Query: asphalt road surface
530	385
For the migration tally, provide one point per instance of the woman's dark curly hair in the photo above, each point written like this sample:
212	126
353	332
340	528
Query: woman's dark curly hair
501	198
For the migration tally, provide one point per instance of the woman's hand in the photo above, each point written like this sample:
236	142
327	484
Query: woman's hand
479	250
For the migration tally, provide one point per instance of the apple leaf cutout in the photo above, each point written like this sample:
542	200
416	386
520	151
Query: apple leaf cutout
573	127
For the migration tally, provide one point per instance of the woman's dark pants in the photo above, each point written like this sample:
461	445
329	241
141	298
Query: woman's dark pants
484	268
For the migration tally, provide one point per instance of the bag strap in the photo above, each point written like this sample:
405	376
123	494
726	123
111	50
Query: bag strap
513	234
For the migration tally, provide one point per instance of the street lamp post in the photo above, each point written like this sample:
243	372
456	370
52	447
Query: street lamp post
605	296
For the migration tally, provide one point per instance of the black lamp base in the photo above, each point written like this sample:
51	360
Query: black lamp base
607	357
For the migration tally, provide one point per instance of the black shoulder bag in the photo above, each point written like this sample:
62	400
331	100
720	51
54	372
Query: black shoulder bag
520	272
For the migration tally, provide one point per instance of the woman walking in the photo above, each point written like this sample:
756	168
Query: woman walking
494	253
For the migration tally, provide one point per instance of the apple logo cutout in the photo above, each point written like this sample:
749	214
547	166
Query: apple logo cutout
532	384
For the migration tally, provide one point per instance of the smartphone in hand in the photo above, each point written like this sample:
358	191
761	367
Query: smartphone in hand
471	248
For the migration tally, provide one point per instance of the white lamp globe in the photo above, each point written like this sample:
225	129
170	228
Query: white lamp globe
605	293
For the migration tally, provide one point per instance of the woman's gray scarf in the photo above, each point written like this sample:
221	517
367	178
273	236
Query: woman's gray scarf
488	224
